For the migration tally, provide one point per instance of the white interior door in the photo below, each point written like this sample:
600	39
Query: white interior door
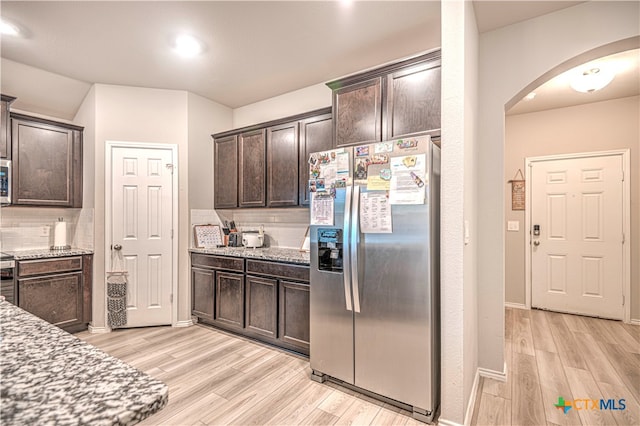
141	223
577	258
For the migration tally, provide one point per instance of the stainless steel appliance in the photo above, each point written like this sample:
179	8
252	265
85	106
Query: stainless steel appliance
7	278
5	181
375	297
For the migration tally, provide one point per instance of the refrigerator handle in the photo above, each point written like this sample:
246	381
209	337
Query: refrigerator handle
354	242
346	257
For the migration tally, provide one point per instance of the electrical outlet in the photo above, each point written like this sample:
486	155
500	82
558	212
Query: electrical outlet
44	231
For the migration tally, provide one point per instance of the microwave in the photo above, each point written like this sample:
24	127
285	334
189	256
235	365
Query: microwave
5	181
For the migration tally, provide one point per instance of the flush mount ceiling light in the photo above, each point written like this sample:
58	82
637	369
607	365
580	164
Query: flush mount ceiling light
590	80
187	46
530	96
7	28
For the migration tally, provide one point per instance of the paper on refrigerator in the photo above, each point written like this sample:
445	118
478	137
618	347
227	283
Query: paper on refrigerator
375	213
322	207
408	179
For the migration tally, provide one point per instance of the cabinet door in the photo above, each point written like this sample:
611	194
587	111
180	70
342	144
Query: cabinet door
46	159
57	299
229	300
5	136
316	134
294	316
251	185
282	165
357	113
202	293
413	101
261	315
225	181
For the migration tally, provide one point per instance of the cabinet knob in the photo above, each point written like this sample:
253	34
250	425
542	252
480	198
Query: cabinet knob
117	247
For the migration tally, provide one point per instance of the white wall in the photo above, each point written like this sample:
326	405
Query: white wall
598	126
205	118
512	60
292	103
458	204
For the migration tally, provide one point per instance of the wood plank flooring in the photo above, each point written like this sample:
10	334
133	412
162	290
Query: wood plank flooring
548	355
216	378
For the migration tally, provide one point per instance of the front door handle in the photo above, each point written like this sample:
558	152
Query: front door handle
536	243
117	247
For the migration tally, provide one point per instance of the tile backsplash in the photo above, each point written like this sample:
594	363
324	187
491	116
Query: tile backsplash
283	227
24	228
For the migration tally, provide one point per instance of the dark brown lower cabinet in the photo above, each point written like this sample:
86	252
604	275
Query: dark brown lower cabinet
264	302
203	292
294	316
261	306
229	300
57	290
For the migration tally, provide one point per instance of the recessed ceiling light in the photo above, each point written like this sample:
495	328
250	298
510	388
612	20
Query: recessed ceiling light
590	80
530	96
7	28
187	46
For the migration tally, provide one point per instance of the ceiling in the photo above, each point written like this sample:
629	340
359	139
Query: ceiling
253	50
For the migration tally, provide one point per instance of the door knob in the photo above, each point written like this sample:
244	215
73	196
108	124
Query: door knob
536	243
117	247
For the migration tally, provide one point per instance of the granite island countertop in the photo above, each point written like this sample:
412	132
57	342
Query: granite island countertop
279	254
51	377
46	253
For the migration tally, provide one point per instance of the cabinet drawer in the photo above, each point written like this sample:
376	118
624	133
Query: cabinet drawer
217	262
28	268
279	270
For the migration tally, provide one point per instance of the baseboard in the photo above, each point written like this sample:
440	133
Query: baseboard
500	376
185	323
515	305
471	405
98	330
635	322
445	422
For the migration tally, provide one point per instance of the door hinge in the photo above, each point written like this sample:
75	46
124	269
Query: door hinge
623	175
623	300
623	238
171	298
172	234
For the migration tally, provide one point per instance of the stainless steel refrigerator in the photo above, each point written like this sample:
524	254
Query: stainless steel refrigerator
375	297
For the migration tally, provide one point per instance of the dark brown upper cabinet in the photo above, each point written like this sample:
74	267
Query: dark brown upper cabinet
225	169
358	112
266	164
251	169
5	128
47	162
413	100
316	134
282	165
397	100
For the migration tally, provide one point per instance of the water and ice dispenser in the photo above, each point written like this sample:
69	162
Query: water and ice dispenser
330	249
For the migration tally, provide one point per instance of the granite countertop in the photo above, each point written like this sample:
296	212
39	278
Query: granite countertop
46	253
51	377
266	253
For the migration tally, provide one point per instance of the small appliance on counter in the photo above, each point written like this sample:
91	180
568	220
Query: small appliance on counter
60	235
252	239
235	239
5	181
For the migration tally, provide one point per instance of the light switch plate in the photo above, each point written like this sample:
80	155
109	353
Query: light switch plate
44	231
513	225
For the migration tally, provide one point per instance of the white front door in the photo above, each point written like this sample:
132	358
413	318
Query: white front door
577	258
141	224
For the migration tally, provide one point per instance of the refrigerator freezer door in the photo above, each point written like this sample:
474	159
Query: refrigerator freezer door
393	342
331	323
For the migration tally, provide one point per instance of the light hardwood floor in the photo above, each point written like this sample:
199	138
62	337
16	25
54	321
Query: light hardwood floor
218	378
548	355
